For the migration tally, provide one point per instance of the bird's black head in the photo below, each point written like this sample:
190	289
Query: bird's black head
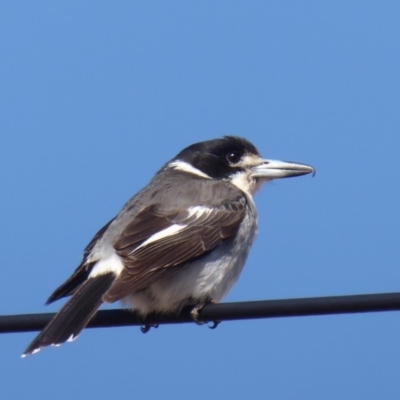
218	158
233	159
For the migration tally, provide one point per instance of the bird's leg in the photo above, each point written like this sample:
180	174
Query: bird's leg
195	313
147	327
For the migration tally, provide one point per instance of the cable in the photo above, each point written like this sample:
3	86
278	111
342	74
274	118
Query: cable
222	312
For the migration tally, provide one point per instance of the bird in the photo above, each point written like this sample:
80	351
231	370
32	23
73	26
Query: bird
181	241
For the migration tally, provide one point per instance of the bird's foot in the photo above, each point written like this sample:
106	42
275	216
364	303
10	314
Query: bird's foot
147	327
196	310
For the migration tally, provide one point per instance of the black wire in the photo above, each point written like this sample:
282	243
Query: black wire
222	312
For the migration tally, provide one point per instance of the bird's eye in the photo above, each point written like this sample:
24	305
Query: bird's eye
233	157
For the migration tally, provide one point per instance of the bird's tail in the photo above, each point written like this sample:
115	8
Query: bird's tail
74	315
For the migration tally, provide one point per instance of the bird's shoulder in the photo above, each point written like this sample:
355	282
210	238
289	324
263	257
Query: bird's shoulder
185	190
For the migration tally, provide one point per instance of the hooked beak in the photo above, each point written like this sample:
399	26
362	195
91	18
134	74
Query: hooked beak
273	169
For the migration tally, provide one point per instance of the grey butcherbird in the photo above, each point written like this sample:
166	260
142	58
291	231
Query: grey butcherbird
182	240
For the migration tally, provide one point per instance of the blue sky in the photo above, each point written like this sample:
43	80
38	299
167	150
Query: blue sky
96	96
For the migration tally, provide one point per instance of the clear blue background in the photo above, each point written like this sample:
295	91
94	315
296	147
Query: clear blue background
96	96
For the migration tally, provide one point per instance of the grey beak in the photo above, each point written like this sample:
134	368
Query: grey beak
273	169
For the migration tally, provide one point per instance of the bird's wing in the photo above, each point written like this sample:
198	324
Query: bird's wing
157	244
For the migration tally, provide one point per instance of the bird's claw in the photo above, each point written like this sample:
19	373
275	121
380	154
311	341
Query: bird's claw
147	327
214	324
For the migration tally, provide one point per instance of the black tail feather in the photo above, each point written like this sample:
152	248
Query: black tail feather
74	315
80	275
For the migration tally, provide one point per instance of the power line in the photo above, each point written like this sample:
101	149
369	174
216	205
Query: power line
222	312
